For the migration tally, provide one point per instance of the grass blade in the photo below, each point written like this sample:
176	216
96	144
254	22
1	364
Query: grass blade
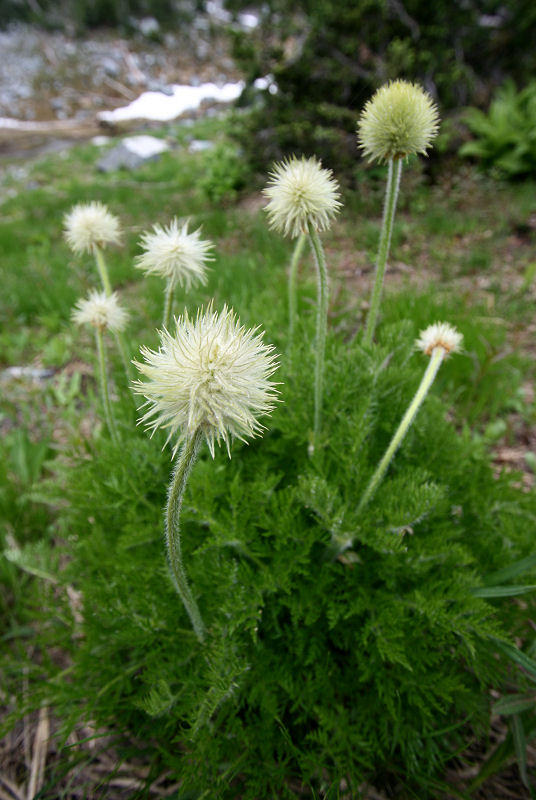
511	571
501	591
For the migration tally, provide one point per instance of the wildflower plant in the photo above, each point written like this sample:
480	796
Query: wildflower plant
369	663
303	199
400	120
177	256
336	630
104	313
89	228
437	341
209	381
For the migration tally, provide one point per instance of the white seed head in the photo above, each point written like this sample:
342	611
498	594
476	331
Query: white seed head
440	334
212	374
301	193
400	119
90	224
175	254
101	311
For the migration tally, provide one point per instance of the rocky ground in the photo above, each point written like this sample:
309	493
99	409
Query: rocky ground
57	80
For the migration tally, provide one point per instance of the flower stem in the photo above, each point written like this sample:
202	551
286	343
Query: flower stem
438	353
292	281
107	286
391	195
104	385
185	462
103	270
168	302
321	328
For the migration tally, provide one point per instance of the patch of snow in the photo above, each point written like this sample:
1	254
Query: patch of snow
164	107
248	20
145	146
99	141
267	82
199	145
23	125
215	9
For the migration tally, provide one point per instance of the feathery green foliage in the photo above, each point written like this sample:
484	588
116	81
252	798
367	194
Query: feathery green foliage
505	136
316	669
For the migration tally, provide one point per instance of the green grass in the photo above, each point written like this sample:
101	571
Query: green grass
65	489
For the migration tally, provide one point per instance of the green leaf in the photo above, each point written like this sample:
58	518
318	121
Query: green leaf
520	746
514	704
529	275
512	571
520	658
30	559
501	591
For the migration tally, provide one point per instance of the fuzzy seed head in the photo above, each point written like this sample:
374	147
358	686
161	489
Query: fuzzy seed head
175	254
102	311
212	374
440	334
301	193
400	119
90	225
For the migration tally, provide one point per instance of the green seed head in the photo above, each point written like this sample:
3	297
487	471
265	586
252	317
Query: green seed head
400	119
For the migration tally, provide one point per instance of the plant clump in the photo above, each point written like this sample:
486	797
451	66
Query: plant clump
338	606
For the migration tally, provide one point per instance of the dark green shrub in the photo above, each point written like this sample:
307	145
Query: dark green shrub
373	666
505	137
328	58
226	173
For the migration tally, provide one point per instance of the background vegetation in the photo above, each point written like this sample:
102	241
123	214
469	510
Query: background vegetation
328	57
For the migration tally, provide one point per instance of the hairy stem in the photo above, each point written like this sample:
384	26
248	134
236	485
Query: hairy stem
438	353
168	302
107	286
391	195
185	462
321	327
104	385
103	270
292	287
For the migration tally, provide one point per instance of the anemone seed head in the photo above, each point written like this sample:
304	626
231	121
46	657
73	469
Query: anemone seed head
88	225
301	193
212	374
399	119
440	334
101	311
175	254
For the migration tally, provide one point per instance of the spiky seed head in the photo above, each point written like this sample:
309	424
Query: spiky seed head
90	224
175	254
440	334
211	374
400	119
102	311
301	193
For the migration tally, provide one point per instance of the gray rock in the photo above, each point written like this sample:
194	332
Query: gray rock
148	26
110	66
158	86
131	153
26	373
